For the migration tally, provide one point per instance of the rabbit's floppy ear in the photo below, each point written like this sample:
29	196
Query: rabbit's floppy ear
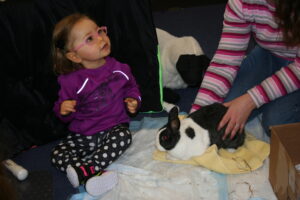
173	120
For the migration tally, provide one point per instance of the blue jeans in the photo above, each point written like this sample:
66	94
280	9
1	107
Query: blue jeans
256	67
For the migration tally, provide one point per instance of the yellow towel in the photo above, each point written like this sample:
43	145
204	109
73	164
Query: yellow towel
246	158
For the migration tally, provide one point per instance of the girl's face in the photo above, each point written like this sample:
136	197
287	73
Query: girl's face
89	44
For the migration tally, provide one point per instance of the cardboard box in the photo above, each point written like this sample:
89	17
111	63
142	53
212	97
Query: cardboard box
284	158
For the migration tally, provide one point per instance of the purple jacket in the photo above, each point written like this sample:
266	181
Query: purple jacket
99	94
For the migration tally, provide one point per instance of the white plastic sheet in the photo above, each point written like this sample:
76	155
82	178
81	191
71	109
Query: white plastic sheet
142	178
254	185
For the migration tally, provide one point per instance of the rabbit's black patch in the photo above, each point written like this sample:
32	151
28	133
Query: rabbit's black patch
190	132
194	134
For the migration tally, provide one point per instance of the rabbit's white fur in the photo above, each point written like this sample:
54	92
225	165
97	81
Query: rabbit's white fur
186	146
191	136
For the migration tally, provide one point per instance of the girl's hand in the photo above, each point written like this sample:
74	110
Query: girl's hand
131	104
67	107
237	114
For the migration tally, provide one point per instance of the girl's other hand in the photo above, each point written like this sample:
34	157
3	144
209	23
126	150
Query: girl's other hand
67	107
237	115
131	104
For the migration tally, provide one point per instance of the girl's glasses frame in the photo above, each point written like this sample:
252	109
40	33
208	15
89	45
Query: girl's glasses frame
102	30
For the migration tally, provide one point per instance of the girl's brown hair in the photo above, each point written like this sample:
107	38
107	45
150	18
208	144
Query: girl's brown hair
288	18
60	37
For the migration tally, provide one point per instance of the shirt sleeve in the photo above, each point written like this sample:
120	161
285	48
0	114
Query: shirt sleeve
132	88
226	62
283	82
66	92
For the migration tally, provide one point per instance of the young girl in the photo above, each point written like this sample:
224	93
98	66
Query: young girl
95	95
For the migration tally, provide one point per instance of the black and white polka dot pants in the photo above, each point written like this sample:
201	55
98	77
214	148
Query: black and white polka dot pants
98	150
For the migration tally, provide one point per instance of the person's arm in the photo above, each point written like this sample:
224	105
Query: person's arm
66	92
228	57
283	82
132	88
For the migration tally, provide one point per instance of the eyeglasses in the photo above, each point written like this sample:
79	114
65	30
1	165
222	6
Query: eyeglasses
92	38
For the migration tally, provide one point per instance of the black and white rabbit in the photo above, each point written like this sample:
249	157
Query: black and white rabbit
191	136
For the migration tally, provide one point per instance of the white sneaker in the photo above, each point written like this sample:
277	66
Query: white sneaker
72	176
98	185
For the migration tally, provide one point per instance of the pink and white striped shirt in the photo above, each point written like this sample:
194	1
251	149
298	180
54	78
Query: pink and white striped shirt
241	19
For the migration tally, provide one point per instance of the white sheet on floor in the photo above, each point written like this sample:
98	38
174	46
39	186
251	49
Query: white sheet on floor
254	185
142	178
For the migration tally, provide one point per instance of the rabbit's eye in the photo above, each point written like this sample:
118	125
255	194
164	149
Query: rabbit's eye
165	137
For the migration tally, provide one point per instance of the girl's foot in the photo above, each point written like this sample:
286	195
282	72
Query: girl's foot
79	175
98	185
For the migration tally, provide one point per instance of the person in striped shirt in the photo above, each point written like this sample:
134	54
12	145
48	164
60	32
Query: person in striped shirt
267	80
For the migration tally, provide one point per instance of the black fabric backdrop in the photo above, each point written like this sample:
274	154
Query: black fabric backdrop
27	82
